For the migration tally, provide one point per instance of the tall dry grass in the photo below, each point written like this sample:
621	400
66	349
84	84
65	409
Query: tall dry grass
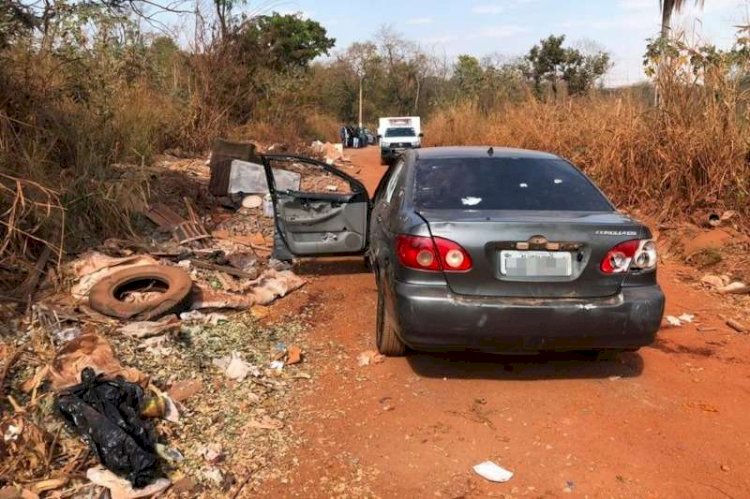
690	153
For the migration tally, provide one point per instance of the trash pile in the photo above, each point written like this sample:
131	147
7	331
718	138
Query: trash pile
158	366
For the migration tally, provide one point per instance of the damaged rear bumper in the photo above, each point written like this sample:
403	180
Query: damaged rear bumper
434	318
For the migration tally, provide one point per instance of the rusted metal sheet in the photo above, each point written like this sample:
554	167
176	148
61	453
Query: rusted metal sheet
222	155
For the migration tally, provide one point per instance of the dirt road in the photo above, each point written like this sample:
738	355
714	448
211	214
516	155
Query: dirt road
669	421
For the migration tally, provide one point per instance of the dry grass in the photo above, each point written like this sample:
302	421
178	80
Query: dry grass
296	132
688	154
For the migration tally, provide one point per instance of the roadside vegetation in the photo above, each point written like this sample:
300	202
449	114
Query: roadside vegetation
92	92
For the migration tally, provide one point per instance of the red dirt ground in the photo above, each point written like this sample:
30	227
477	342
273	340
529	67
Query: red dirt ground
668	421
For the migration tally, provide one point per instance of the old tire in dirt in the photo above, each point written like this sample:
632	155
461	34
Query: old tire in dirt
386	339
172	283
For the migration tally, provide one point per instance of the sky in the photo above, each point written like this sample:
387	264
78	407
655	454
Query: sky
510	27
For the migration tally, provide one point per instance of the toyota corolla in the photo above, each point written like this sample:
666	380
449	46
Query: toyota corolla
486	249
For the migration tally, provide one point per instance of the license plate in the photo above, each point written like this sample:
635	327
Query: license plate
535	263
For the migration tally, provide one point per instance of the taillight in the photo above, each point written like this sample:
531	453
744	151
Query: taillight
417	252
452	255
432	254
630	255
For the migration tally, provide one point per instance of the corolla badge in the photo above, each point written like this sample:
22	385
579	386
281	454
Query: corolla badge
616	233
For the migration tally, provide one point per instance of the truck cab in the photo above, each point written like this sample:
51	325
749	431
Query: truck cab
397	134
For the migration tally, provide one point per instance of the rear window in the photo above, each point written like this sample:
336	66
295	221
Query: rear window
505	184
400	132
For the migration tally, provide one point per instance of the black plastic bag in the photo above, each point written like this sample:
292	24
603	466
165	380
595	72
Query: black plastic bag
106	414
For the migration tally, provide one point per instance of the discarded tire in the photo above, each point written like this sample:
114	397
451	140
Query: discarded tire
174	286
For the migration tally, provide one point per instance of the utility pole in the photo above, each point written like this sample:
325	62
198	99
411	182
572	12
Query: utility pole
360	69
361	74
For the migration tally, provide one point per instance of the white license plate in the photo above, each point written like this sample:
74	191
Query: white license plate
535	263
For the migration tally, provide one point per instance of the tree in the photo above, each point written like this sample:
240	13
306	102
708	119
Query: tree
550	62
284	41
468	75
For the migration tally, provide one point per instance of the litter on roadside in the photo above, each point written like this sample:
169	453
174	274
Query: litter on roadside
147	329
235	368
369	357
492	472
105	414
119	488
736	325
680	320
93	351
212	318
737	287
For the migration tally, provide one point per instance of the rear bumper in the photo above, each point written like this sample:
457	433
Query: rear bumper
433	318
393	152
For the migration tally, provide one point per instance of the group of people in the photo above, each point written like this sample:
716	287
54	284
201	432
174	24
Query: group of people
353	136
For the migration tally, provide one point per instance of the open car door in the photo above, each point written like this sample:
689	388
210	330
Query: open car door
319	210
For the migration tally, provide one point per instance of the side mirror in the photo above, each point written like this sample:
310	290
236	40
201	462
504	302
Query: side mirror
421	134
380	136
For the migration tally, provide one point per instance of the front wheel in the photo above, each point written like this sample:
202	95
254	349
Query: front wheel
388	343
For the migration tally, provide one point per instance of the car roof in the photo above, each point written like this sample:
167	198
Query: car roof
457	152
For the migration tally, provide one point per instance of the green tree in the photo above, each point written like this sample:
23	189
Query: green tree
283	41
552	63
468	75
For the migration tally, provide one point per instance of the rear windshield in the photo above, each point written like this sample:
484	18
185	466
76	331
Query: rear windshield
400	132
505	184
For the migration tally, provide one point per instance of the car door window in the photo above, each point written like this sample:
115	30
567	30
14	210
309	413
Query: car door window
307	177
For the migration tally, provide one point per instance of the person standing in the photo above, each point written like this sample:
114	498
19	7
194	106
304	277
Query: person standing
355	138
344	135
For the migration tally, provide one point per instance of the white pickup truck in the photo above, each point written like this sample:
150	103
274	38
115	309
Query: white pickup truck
396	134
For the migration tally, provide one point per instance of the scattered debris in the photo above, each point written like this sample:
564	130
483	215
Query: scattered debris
569	486
266	423
714	220
293	355
236	368
260	311
120	488
212	453
212	318
369	357
737	288
183	390
713	281
493	472
205	297
250	178
679	321
737	326
252	201
147	329
105	413
329	152
88	351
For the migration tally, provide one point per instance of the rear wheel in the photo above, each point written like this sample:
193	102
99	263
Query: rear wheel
387	341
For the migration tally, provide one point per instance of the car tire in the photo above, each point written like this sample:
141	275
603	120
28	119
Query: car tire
175	297
386	339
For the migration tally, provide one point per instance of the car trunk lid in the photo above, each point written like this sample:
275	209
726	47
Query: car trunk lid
546	254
